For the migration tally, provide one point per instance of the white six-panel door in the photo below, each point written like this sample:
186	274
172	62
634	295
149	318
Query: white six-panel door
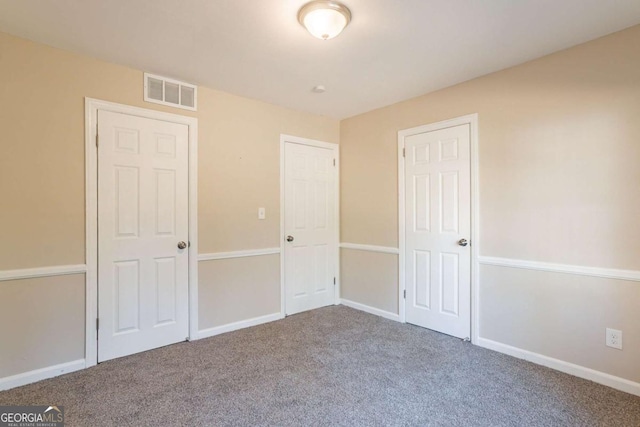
438	227
310	252
142	217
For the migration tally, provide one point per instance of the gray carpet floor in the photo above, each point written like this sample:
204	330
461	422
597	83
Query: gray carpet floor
332	366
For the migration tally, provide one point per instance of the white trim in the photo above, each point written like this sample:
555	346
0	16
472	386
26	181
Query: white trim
282	289
91	228
475	228
217	330
336	152
370	248
401	231
30	273
472	121
193	224
607	273
238	254
562	366
370	310
40	374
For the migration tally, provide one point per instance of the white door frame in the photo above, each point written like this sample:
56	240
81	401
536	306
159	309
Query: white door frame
336	240
472	121
91	108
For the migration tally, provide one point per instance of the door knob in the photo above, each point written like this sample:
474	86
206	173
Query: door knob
289	238
463	242
182	245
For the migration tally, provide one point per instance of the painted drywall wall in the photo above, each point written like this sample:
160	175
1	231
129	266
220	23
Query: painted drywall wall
365	278
238	289
546	317
41	322
42	178
559	181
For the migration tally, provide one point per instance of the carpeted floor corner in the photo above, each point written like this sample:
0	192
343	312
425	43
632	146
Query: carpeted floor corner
332	366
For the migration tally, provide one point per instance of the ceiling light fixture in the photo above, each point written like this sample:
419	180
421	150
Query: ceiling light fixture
324	19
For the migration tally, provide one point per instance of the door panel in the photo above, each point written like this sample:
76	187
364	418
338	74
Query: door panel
142	215
165	279
127	284
422	278
310	203
437	216
449	283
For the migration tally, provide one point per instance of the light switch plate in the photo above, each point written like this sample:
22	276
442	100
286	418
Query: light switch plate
262	213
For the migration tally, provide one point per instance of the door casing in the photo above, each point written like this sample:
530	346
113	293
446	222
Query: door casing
91	214
284	139
472	121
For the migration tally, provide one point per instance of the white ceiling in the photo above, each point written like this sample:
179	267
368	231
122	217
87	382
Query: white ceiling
391	51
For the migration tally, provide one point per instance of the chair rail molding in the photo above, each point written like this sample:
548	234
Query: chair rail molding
607	273
31	273
370	248
237	254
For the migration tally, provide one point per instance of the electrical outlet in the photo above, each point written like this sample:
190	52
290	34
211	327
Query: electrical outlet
614	338
262	213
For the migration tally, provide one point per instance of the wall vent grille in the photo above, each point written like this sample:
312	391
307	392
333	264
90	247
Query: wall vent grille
166	91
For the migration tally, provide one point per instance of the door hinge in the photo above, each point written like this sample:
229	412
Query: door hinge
97	324
403	153
97	139
334	280
405	294
334	162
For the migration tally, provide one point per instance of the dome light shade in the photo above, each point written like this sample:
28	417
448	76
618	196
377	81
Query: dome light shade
324	19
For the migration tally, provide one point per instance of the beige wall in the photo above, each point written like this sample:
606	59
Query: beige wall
239	168
42	162
559	181
558	176
368	278
42	179
41	323
238	289
563	316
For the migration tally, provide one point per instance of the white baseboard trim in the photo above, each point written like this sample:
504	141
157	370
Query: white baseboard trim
562	366
30	273
238	254
370	248
607	273
217	330
40	374
370	310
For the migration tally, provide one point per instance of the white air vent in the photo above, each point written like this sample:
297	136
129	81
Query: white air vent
165	91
